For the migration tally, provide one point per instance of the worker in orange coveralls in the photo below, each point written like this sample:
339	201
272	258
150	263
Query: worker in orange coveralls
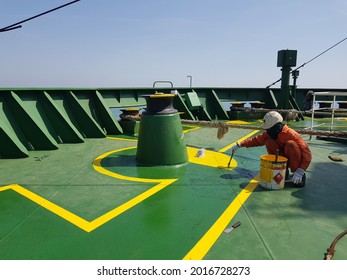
287	141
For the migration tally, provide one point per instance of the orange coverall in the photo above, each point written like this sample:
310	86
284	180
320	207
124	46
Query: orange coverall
290	145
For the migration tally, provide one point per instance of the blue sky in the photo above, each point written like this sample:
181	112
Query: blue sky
133	43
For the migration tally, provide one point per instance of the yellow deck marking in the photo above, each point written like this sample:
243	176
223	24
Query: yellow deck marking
67	215
78	221
82	223
211	158
191	128
237	122
206	242
241	139
121	139
97	166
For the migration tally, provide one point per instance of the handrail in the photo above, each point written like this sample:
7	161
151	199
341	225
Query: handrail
168	82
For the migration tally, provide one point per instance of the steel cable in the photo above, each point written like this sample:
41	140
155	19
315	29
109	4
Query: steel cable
302	65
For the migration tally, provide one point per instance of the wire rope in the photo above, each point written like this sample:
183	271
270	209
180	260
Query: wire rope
312	59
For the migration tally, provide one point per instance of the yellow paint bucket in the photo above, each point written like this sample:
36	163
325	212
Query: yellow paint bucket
272	172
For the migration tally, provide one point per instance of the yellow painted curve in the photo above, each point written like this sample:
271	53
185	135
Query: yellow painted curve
211	159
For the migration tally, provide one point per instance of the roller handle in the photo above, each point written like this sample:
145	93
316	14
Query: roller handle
236	225
231	157
276	158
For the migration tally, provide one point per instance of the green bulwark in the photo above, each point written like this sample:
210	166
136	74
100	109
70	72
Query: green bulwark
43	119
34	119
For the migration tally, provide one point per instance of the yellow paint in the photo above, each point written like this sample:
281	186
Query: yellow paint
206	242
121	139
85	225
97	166
74	219
211	236
89	226
271	168
269	160
161	95
211	158
191	128
240	140
237	122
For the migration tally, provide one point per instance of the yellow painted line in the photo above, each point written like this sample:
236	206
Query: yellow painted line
121	139
97	166
241	139
237	122
78	221
162	183
5	188
191	129
211	236
206	242
67	215
89	226
211	158
82	223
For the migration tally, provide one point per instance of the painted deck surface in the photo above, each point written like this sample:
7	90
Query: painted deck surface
94	201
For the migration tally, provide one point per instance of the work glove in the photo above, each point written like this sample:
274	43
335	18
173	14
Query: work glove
297	175
235	147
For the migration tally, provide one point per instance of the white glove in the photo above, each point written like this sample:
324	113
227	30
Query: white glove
297	175
235	147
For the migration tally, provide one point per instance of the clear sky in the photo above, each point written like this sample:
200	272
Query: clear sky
133	43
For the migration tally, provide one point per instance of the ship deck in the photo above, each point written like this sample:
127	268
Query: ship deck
93	201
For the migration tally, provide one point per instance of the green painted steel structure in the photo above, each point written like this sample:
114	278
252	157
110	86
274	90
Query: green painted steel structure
43	118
